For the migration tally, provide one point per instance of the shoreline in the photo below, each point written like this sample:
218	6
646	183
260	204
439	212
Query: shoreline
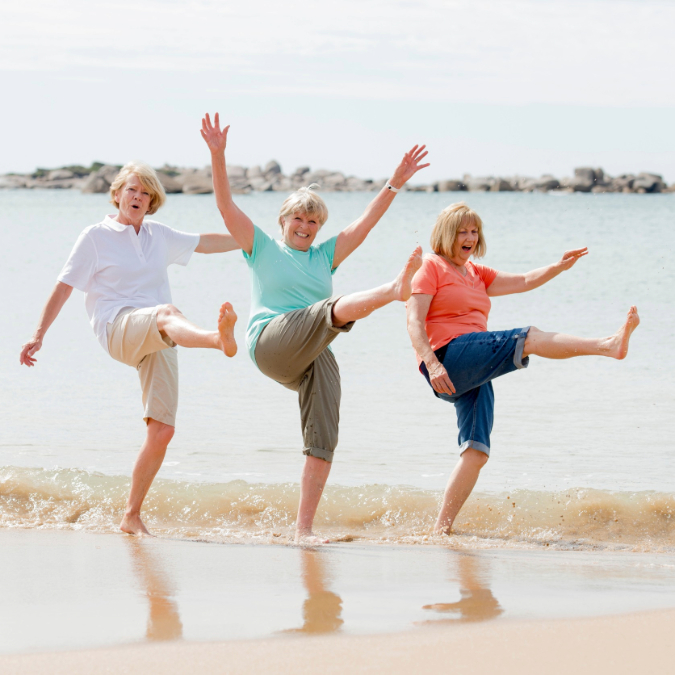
638	642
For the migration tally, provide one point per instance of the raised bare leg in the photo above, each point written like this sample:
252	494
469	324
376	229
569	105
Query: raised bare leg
172	323
312	483
359	305
147	465
561	346
459	487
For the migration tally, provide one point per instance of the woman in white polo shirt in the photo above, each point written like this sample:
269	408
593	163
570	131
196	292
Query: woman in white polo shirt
121	266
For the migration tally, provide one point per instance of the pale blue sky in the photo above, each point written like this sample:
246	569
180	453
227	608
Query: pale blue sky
526	86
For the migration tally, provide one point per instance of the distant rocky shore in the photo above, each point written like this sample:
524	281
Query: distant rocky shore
98	177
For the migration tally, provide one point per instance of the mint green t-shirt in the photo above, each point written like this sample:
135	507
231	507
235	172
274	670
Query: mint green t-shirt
283	279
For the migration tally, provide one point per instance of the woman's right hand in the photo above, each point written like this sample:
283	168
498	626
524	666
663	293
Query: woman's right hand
27	351
440	380
211	133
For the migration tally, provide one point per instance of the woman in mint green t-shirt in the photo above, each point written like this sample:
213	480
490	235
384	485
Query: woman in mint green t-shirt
293	316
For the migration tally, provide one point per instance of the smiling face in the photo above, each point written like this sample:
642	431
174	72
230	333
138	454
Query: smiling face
300	230
133	200
465	243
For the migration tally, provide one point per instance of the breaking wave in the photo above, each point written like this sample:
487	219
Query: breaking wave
237	510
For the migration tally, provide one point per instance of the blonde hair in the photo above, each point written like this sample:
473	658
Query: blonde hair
149	180
304	200
448	224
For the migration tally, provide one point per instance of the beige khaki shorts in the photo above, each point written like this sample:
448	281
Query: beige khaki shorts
134	339
293	350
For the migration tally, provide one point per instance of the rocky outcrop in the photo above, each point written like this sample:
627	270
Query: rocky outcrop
271	178
101	180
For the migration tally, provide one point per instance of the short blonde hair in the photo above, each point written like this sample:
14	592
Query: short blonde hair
448	224
149	180
304	200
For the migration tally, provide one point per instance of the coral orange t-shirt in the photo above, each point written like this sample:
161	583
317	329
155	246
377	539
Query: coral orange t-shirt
460	304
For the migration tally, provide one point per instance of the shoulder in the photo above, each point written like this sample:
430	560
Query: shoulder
432	264
155	227
487	274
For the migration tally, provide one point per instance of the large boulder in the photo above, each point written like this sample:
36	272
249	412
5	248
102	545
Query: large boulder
272	168
197	182
546	183
254	172
101	180
648	182
501	185
450	186
479	184
334	181
577	183
235	171
169	183
60	174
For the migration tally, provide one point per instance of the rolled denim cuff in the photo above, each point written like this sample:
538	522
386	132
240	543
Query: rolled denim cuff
518	360
481	447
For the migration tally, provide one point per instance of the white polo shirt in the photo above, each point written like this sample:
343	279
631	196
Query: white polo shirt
117	268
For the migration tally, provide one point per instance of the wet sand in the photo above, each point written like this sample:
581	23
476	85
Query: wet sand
80	602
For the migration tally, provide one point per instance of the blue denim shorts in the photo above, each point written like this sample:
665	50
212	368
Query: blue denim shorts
473	360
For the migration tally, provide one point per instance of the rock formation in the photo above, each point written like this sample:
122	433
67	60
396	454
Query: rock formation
270	178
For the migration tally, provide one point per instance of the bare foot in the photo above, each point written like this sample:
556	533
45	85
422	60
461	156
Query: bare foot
443	530
403	283
309	539
621	338
226	320
134	525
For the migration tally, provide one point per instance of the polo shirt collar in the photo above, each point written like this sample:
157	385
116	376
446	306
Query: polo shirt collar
110	221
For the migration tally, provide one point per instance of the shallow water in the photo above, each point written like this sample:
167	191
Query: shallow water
69	590
590	426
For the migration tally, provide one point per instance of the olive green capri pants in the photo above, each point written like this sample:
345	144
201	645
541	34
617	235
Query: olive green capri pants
293	350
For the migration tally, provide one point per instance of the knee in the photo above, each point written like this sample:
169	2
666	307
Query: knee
165	311
475	458
159	432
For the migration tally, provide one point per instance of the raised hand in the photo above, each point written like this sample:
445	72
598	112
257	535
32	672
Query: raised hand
409	166
570	257
27	351
212	134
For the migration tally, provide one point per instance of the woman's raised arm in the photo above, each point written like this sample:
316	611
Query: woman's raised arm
507	284
417	309
355	234
51	310
236	221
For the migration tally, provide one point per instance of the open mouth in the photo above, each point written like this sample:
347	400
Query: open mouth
467	248
301	235
134	206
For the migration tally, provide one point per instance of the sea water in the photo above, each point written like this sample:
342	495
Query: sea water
582	449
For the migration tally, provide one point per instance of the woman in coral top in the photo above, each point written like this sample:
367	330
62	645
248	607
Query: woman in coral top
459	357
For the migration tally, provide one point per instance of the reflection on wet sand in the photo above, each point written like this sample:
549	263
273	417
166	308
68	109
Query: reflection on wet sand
163	618
477	602
323	609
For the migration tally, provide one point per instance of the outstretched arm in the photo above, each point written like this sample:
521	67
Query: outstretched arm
216	243
51	310
417	309
355	234
507	284
237	222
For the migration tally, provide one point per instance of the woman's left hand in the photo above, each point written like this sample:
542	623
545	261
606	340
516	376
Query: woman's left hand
409	166
570	257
